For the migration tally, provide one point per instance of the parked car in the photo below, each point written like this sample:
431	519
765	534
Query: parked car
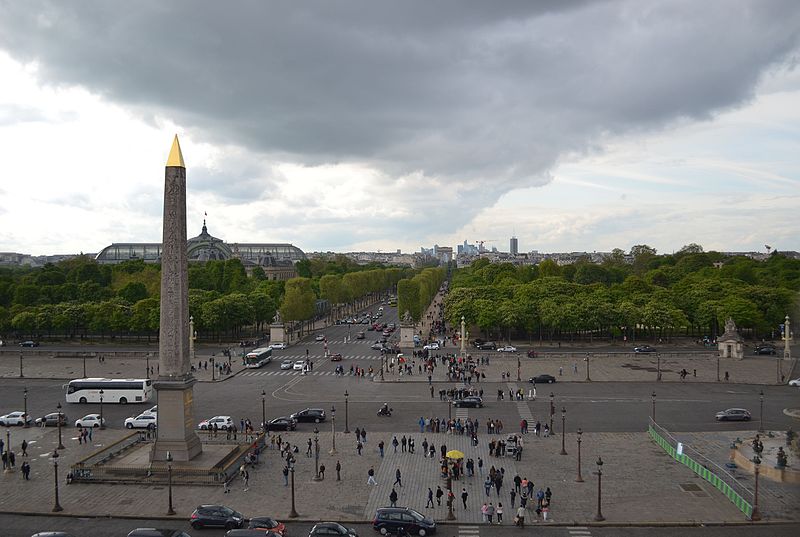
287	364
14	418
315	415
488	346
794	382
222	422
299	365
153	532
336	357
733	414
217	516
331	528
29	344
361	335
142	421
278	346
644	348
507	348
391	519
765	348
431	346
376	346
542	379
251	533
472	401
51	420
284	423
89	420
266	523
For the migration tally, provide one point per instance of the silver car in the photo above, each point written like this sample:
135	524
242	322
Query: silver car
733	414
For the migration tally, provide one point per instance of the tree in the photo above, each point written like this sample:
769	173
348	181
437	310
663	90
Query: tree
299	301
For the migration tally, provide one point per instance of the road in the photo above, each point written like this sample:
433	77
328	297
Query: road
16	526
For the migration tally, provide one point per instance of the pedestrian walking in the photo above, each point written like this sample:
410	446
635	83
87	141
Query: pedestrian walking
371	477
285	476
439	494
480	466
464	496
226	485
308	450
26	471
24	448
520	519
430	498
246	480
393	498
513	497
499	512
490	513
395	443
397	480
322	472
338	471
359	447
487	485
380	448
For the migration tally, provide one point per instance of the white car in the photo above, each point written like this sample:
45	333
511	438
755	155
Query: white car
89	420
151	410
222	422
287	364
299	365
320	337
14	418
278	346
507	348
431	346
794	382
142	421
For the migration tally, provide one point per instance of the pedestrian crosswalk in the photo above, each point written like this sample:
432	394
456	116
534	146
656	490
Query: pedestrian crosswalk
280	357
579	531
522	407
286	373
462	413
469	531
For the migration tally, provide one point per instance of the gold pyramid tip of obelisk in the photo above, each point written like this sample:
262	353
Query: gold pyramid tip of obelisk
175	155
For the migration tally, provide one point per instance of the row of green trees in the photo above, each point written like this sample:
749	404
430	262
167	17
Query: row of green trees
689	293
415	294
78	297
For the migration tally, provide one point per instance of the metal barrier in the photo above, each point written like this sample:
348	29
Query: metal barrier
731	487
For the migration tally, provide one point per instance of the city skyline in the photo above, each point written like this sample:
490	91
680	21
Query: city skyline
580	127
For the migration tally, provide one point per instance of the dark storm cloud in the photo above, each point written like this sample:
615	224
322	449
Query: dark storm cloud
484	95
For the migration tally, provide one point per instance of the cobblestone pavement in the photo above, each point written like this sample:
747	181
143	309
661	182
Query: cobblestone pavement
640	483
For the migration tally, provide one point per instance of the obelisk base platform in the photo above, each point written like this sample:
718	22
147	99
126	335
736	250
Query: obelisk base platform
175	432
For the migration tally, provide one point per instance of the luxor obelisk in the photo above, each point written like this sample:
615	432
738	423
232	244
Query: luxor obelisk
174	385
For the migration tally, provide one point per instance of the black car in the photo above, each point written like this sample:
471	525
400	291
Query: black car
470	401
542	379
216	516
488	346
51	420
315	415
477	343
331	528
155	532
251	533
393	519
644	348
283	423
765	348
29	344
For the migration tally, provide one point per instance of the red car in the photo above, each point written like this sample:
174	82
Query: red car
267	523
336	357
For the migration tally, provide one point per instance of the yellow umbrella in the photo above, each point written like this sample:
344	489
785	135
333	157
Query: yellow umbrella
455	454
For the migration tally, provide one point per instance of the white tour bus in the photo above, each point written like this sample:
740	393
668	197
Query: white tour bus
258	357
121	391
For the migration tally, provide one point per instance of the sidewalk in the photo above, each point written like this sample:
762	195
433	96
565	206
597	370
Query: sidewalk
641	485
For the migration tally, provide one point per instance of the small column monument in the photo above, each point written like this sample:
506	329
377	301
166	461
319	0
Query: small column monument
174	385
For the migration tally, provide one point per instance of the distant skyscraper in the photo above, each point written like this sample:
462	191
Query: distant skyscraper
514	248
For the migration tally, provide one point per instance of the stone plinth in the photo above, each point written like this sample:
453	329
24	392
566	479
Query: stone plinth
407	332
731	344
277	333
175	431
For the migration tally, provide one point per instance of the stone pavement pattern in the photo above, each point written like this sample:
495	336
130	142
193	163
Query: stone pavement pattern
640	483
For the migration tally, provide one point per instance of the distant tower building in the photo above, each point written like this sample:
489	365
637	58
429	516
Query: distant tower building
514	248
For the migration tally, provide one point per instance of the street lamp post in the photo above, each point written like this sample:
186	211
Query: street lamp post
213	367
102	425
25	408
20	365
8	469
147	365
599	515
658	367
333	430
653	413
84	365
761	412
519	378
563	429
60	419
579	479
756	515
56	506
346	411
552	409
290	462
588	356
718	365
170	509
449	411
316	456
263	410
383	366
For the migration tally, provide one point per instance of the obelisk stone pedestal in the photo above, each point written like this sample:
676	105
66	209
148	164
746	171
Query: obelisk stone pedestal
174	386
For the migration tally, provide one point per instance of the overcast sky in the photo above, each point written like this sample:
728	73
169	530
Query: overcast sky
338	125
